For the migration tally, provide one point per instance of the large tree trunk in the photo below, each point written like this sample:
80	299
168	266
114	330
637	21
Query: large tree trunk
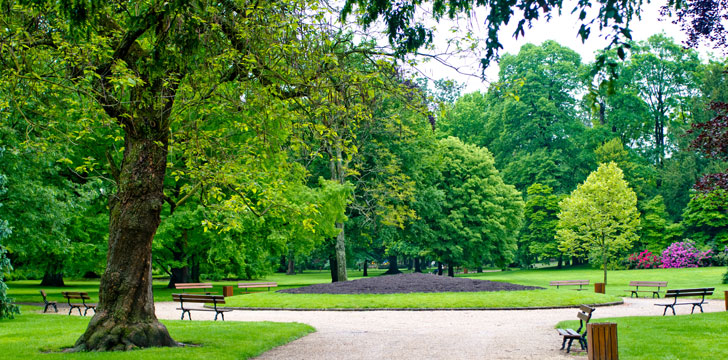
125	316
53	275
439	268
366	266
393	269
450	270
338	174
418	267
180	274
333	268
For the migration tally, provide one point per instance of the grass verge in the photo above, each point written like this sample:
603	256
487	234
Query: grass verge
697	336
39	336
449	300
617	280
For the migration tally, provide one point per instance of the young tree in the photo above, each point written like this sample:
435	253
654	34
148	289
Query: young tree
600	217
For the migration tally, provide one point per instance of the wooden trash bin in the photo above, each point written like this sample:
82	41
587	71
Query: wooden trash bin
602	341
599	288
227	291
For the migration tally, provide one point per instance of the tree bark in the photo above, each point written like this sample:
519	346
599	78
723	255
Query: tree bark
125	316
418	267
291	264
52	279
338	174
450	270
393	269
366	266
180	274
333	268
53	275
439	268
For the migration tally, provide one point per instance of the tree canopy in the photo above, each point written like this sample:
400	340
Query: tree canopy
600	217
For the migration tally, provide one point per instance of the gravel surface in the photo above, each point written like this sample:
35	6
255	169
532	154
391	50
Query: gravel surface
407	283
485	334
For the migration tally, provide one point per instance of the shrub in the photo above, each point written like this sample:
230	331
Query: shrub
7	308
725	277
644	260
721	257
684	255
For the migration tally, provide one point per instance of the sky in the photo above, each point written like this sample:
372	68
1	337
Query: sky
562	29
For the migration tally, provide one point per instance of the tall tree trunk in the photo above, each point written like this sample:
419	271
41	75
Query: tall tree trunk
450	270
53	275
194	268
283	265
181	274
366	266
291	264
340	253
418	267
125	316
333	268
393	269
560	263
439	268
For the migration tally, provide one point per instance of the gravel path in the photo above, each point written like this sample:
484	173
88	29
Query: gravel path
485	334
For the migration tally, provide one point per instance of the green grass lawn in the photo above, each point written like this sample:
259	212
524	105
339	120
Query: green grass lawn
697	336
617	280
497	299
38	336
28	290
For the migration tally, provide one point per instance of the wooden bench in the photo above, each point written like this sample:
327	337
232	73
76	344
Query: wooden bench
83	296
187	286
257	285
584	315
200	298
637	284
676	293
570	283
48	303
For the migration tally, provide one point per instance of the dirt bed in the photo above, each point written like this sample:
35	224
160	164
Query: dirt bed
407	283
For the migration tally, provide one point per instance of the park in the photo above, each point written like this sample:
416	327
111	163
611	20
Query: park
325	180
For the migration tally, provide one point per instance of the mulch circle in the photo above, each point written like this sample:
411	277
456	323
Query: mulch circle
408	283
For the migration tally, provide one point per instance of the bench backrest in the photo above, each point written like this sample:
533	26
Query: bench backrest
199	298
193	286
569	282
648	283
76	295
689	292
257	284
43	293
584	316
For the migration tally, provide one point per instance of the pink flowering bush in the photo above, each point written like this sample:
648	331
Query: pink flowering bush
684	255
644	260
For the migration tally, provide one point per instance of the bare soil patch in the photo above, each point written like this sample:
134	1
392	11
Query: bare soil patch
408	283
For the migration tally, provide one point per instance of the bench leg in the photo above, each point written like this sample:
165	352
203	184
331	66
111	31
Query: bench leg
46	308
568	347
54	307
563	343
698	305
